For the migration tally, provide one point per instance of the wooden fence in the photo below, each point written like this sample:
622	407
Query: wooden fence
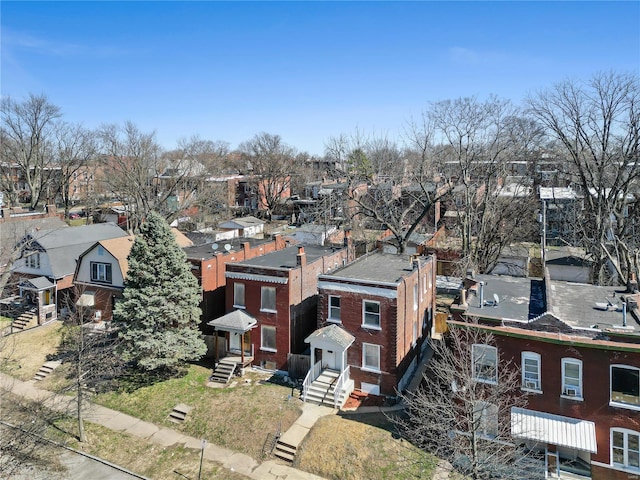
298	365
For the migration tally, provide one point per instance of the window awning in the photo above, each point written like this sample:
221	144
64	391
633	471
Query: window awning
87	299
256	278
553	429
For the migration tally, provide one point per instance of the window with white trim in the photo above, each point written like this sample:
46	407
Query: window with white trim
238	295
625	385
531	371
268	299
572	378
625	448
371	357
268	338
334	308
33	260
485	363
101	272
485	419
371	313
415	297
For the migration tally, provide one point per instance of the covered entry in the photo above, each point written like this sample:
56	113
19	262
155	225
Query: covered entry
329	379
568	442
39	296
237	326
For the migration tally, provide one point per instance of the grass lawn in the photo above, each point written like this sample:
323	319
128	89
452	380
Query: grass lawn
148	459
22	354
361	447
237	418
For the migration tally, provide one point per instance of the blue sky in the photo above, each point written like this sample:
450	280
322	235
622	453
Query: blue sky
304	70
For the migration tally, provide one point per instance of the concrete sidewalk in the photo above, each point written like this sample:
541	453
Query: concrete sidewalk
114	420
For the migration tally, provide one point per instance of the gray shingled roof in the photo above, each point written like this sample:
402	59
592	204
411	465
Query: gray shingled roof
39	283
236	321
64	246
334	334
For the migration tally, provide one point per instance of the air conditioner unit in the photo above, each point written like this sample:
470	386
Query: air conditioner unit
531	384
571	392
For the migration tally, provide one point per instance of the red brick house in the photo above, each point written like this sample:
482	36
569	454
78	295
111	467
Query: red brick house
208	263
279	290
578	349
375	315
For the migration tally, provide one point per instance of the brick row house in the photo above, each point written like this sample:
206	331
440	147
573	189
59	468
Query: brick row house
578	349
374	315
277	293
208	263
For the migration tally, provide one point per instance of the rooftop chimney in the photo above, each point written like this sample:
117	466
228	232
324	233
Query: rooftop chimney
301	258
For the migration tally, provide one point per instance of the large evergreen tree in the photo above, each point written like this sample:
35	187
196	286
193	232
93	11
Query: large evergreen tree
159	315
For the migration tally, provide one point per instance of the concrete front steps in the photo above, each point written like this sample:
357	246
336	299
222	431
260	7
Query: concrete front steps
45	370
25	320
285	451
321	391
179	413
223	372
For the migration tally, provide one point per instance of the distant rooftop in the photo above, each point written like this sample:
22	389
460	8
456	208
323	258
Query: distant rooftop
377	267
558	193
287	257
206	250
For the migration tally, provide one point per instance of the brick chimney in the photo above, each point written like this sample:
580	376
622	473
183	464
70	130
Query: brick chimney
347	238
301	257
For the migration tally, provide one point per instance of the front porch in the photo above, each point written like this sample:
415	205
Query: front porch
235	353
328	381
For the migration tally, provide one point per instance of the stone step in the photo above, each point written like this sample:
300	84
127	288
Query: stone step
179	413
284	451
44	371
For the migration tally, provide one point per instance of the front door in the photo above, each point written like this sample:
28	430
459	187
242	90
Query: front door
235	344
329	360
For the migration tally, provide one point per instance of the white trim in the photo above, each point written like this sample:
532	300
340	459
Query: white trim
527	384
256	278
566	389
368	368
626	432
362	289
610	467
616	403
364	312
485	347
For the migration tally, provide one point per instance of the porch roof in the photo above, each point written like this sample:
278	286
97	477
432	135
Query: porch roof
236	321
554	429
333	334
38	283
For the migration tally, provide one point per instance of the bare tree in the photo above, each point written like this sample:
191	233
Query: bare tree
28	129
272	163
596	126
75	146
144	178
462	411
387	187
87	351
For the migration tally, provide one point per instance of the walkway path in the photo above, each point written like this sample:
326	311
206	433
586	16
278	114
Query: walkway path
114	420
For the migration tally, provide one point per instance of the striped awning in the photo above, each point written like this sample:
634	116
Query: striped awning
553	429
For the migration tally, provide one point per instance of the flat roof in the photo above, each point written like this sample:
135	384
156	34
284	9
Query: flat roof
377	267
206	250
575	304
514	294
287	257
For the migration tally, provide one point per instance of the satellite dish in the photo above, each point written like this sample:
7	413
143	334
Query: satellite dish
227	247
215	246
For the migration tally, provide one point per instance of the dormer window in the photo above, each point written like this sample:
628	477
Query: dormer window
100	272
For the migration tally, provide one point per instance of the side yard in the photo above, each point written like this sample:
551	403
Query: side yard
238	417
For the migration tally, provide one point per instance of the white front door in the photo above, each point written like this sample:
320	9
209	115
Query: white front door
329	360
